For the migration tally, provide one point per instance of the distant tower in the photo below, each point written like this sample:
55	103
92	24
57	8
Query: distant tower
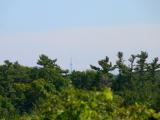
71	65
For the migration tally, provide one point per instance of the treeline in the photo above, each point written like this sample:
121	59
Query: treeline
47	92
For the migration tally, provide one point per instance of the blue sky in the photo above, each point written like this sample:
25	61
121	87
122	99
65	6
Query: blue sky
85	30
40	15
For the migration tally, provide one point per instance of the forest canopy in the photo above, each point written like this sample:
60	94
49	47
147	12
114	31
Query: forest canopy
48	92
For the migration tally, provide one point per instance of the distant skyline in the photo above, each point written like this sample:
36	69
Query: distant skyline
84	30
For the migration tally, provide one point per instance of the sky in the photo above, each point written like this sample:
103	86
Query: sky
84	30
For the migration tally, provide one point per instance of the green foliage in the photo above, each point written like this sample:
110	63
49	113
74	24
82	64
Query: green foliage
86	80
47	92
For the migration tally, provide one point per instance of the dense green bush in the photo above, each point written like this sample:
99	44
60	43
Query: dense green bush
47	92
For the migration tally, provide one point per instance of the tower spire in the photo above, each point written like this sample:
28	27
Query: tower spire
71	65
